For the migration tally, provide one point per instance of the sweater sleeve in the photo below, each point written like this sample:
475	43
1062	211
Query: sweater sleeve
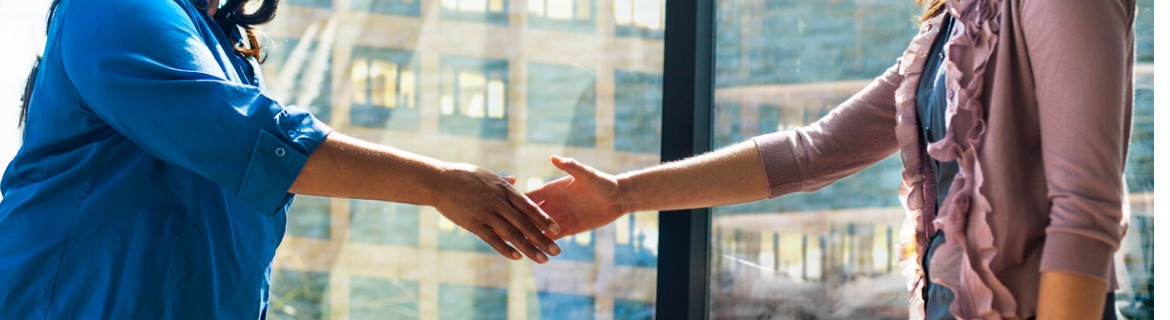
856	134
1081	52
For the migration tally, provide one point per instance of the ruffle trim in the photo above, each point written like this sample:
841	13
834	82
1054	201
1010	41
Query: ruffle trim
963	262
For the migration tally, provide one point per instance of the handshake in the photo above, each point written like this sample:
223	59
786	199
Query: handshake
486	205
513	223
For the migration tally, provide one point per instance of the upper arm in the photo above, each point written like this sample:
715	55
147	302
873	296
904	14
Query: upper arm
1081	55
144	68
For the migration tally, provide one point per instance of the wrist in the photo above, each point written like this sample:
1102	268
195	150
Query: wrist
440	176
623	195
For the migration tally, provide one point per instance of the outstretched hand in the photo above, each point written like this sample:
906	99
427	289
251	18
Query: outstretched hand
587	199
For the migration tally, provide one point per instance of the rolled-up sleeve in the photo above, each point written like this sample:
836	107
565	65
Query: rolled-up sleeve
1081	51
143	67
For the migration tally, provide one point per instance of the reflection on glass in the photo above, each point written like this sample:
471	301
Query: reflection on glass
460	84
831	253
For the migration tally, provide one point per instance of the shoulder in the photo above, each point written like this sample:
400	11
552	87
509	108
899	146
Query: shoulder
128	15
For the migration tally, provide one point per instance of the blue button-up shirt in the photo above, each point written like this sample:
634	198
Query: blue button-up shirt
153	178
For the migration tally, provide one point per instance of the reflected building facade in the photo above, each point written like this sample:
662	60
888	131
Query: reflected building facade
498	83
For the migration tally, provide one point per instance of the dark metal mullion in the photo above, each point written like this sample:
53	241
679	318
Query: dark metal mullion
688	103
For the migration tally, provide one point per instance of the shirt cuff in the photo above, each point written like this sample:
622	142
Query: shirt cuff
779	163
1070	252
277	160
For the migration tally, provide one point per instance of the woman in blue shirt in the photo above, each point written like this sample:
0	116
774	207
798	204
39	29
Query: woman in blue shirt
156	174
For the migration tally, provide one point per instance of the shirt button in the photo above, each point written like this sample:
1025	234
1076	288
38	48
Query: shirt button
280	151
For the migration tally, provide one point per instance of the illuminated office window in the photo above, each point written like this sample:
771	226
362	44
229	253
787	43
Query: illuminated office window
635	241
473	97
568	15
640	18
397	7
560	94
486	11
384	89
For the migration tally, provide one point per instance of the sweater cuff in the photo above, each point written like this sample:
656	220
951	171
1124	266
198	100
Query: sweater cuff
779	163
1069	252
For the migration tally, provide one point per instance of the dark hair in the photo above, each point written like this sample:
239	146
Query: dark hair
231	15
932	9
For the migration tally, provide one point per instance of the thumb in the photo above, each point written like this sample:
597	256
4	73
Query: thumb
573	168
511	179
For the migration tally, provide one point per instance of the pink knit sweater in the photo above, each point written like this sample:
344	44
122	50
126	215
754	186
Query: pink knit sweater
1039	99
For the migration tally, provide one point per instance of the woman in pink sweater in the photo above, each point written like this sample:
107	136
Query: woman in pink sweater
1014	196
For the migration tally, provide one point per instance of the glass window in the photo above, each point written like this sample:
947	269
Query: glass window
439	86
305	75
474	99
569	15
384	87
640	18
638	104
485	11
557	95
831	253
398	7
1135	299
313	3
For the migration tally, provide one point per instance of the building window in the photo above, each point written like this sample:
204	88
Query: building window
295	78
562	105
546	305
640	18
636	240
473	98
637	112
472	302
313	3
383	223
310	217
568	15
486	11
371	298
298	294
397	7
384	89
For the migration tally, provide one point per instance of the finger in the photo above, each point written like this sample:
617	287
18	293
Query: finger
572	167
489	236
528	217
533	211
517	239
511	179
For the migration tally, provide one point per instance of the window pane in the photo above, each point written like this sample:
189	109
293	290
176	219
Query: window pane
465	85
831	253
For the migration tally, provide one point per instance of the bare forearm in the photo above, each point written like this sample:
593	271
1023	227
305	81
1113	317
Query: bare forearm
346	167
1066	295
730	175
